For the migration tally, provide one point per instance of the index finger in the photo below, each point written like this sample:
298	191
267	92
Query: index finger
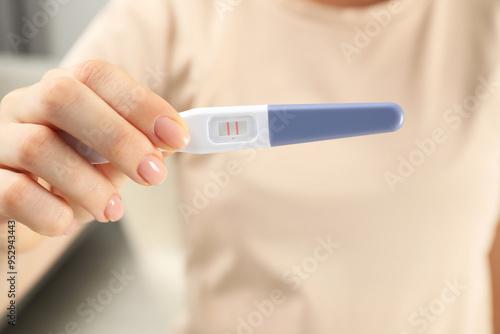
139	105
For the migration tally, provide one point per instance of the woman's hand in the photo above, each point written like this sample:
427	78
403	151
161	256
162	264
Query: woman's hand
48	186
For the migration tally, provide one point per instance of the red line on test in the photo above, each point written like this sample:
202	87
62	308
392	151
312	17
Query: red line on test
237	132
228	133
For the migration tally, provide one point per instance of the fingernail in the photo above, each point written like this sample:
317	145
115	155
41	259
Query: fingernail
115	209
171	133
71	228
152	170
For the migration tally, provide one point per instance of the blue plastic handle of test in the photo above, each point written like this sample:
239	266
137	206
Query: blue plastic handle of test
300	123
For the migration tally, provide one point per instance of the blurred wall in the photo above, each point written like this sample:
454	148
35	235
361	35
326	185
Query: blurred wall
65	28
35	35
46	27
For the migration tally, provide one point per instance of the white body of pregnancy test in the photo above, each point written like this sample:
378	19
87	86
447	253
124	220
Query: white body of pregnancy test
222	129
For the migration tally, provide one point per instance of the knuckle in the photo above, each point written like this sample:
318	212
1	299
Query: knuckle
56	94
10	99
93	71
15	196
52	74
36	146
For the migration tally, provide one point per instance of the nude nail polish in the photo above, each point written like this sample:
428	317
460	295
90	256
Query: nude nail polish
115	209
152	170
171	133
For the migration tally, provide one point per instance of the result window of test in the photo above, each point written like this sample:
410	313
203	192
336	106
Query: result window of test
232	129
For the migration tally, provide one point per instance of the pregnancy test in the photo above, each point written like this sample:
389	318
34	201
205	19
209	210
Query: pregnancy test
222	129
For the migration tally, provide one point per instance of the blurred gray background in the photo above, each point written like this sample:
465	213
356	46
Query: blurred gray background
24	62
146	242
55	36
